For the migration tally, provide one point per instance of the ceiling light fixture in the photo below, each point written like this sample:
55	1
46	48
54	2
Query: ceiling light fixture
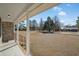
8	16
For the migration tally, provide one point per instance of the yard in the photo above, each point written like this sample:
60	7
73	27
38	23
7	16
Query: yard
47	44
44	44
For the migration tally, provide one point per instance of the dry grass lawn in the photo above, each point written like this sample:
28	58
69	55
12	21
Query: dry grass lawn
46	44
54	44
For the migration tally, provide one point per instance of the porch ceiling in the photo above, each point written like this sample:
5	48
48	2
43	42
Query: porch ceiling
19	11
14	10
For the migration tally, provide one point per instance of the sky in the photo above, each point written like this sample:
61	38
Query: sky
66	12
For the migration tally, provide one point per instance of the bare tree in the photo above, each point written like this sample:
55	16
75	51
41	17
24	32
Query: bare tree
41	24
57	23
34	25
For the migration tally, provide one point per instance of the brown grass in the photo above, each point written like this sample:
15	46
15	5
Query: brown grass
54	44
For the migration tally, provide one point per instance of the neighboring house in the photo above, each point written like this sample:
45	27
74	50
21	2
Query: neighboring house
70	28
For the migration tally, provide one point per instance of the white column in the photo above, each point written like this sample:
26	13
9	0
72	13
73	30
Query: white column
14	32
17	34
27	38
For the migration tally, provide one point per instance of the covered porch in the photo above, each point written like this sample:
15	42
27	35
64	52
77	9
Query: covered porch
11	15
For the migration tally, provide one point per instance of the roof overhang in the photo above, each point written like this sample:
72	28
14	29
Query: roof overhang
34	10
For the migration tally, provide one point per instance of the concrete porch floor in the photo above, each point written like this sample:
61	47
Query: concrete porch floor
10	49
13	51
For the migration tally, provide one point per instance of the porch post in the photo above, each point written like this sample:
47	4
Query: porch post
18	34
14	33
27	38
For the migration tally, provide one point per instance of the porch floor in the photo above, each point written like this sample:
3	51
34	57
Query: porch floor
13	51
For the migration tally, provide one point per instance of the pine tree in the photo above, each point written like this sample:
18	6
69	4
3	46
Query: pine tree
49	24
77	23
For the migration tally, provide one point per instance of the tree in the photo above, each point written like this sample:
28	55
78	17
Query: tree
41	24
30	24
34	25
77	23
49	24
22	25
57	23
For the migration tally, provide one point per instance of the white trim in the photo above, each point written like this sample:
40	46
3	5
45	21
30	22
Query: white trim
27	38
15	33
